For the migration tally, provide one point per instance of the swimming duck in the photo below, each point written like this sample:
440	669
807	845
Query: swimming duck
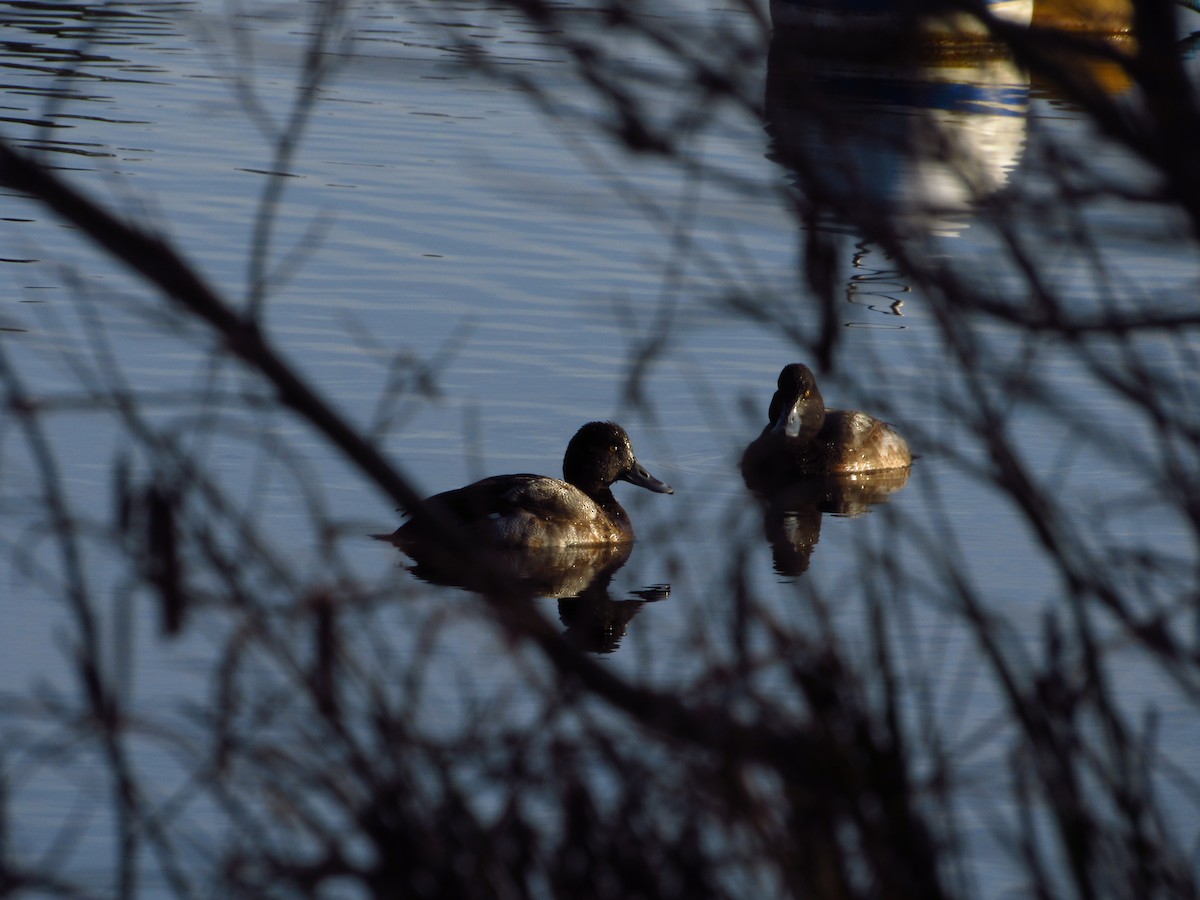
535	511
802	437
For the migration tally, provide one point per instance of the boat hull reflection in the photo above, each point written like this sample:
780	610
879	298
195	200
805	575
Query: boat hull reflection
918	146
874	27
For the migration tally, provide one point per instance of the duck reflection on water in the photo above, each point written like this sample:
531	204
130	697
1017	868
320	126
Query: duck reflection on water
540	572
596	621
580	578
793	509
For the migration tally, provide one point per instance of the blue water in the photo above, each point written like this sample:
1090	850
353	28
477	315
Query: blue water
433	215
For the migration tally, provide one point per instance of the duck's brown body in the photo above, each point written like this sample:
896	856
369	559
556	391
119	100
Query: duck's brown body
537	511
804	438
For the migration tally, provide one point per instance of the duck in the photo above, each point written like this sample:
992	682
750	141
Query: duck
803	437
537	511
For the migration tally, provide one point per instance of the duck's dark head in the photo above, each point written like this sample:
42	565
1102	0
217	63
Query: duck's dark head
601	453
797	409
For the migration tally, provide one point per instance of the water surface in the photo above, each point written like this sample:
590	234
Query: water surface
433	215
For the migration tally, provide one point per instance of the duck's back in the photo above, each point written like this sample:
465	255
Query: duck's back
852	441
528	511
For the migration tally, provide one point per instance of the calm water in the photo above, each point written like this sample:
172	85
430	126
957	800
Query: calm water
434	214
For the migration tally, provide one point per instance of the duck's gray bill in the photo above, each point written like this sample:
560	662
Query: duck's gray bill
639	476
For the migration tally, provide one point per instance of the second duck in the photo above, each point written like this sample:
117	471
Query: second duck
802	437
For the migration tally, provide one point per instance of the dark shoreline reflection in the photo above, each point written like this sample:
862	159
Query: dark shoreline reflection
579	578
792	510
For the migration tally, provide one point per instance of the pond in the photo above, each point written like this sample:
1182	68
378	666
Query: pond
470	271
